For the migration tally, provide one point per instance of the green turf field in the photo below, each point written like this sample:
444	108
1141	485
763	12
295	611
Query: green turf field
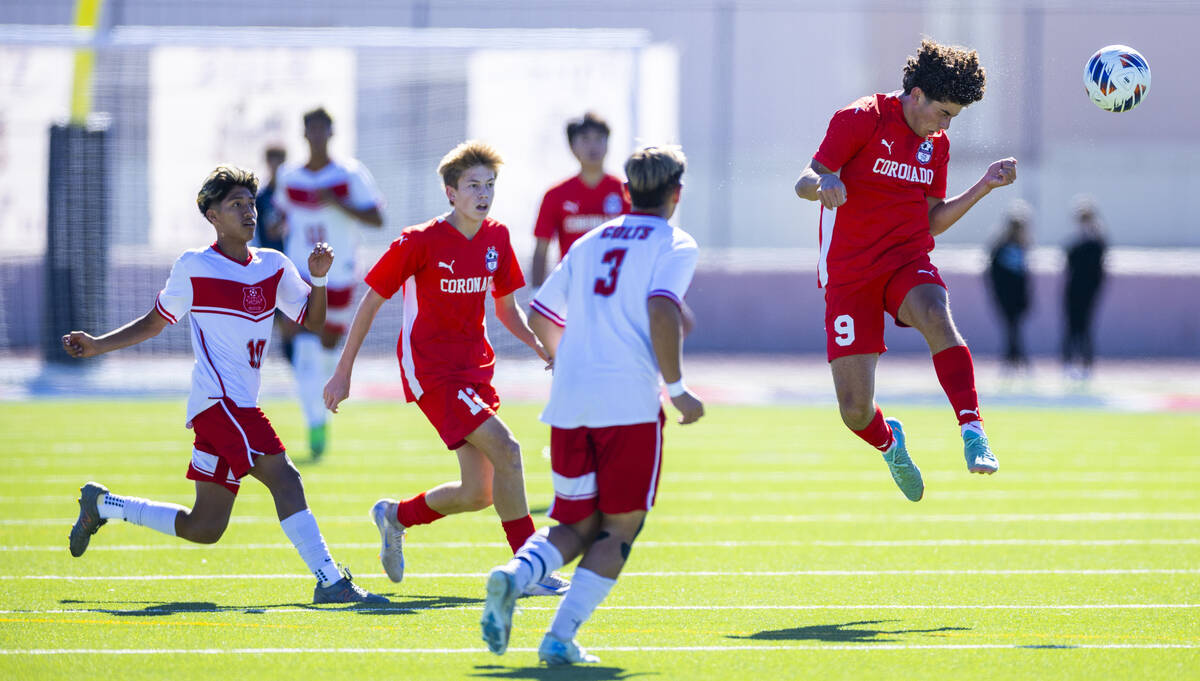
779	549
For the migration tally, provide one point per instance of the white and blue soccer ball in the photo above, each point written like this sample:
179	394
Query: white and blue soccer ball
1117	78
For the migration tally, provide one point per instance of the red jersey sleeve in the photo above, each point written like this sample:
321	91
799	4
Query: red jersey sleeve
941	159
849	131
399	262
549	220
508	277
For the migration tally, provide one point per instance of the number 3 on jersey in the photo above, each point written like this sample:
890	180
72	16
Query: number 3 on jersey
844	326
608	286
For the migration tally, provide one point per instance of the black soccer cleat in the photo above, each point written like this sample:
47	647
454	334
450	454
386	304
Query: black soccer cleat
89	517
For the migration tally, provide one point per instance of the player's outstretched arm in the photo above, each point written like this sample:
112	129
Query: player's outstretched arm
319	262
79	344
513	319
943	214
338	386
818	183
537	269
372	217
666	335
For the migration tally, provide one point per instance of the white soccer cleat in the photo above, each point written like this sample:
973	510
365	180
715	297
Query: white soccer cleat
496	623
554	651
552	584
391	533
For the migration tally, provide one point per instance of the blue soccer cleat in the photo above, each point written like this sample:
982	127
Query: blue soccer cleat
904	471
552	584
496	623
980	458
555	651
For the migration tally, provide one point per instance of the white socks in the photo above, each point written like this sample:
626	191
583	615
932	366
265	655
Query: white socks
309	360
973	427
302	529
153	514
535	559
587	590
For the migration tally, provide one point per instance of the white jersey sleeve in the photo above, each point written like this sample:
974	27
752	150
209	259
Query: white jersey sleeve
175	299
292	296
551	299
363	192
675	268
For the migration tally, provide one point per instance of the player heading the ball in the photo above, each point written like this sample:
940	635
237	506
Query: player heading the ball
231	291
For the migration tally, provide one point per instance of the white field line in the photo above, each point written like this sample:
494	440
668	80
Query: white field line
630	649
815	543
667	573
547	608
1085	517
872	518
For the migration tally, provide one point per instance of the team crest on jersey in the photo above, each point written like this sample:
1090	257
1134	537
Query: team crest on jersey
612	204
925	152
253	299
492	258
570	207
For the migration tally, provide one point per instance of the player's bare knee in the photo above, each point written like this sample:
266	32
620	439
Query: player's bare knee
476	497
201	530
856	412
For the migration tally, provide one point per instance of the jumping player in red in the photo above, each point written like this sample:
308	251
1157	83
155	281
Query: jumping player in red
444	269
577	204
231	292
881	172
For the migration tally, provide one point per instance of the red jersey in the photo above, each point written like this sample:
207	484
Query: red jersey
445	278
889	171
571	209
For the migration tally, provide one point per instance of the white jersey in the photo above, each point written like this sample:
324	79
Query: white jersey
233	309
311	220
605	370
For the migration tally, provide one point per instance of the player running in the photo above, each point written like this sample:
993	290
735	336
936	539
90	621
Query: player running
579	203
612	316
325	200
231	291
445	268
881	170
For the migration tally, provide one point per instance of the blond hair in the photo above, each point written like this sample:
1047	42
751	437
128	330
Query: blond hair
465	156
221	181
653	172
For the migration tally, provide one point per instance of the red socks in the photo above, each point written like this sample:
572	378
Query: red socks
956	373
415	511
518	531
878	434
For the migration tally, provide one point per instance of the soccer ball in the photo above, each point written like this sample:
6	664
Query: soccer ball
1117	78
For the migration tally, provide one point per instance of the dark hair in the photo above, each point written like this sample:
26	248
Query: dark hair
318	114
589	121
222	180
276	151
946	73
654	172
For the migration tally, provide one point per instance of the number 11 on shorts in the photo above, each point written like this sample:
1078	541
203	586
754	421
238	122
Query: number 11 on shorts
844	327
471	399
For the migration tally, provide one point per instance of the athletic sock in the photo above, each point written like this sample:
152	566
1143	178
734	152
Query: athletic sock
416	511
517	531
956	373
155	515
878	433
535	559
587	590
973	427
302	529
310	377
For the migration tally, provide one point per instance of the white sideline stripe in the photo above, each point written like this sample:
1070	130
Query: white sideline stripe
881	606
630	649
698	573
873	518
861	543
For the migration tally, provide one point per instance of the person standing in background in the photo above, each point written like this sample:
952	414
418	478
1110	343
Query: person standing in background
1008	276
1084	278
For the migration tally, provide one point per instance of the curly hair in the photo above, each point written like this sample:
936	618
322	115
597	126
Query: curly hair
946	73
222	180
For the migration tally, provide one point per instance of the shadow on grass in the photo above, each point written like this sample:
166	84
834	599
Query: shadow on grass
583	672
840	633
409	606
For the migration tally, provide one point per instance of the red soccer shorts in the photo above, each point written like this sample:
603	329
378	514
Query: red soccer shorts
457	409
613	469
854	314
229	439
339	309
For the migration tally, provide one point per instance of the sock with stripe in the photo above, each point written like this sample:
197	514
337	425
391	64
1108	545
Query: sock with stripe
535	559
587	591
956	373
155	515
302	529
878	433
416	511
518	531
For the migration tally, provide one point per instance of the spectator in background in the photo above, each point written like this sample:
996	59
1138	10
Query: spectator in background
1084	277
1008	274
270	225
